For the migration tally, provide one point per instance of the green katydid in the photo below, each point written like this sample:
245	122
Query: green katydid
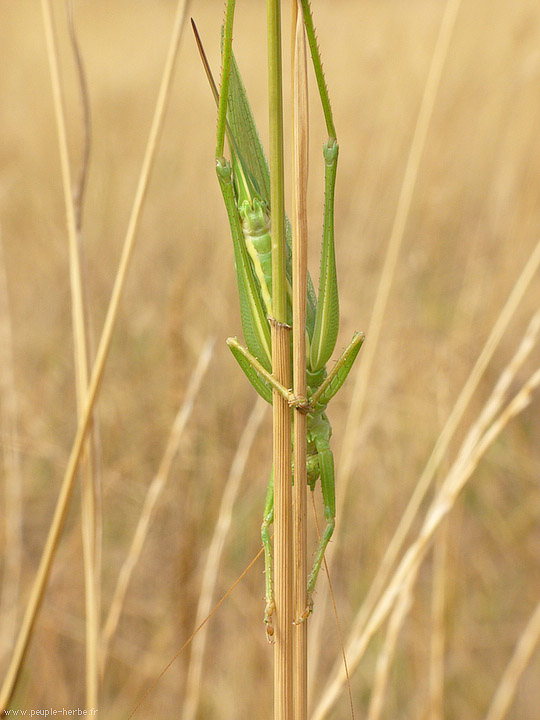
245	185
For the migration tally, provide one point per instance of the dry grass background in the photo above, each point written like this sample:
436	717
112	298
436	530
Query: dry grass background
474	221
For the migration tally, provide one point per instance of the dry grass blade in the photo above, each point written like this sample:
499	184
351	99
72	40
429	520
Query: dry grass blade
477	441
12	510
80	186
386	654
437	640
152	496
517	405
438	592
66	489
74	258
215	552
81	356
507	687
90	479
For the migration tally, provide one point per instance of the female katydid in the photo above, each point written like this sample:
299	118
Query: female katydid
245	185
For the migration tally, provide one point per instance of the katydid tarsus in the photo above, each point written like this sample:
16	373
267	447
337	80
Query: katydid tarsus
245	185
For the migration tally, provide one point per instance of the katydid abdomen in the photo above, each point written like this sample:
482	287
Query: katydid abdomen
255	219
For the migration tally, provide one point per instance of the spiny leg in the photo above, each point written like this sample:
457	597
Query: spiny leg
317	66
324	335
268	519
338	374
326	469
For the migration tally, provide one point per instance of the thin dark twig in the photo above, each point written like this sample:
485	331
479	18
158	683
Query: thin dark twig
80	185
336	615
197	629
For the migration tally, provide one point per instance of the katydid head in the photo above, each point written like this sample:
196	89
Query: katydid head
245	184
330	151
255	216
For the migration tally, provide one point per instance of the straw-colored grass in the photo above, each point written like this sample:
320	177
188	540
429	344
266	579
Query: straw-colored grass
434	413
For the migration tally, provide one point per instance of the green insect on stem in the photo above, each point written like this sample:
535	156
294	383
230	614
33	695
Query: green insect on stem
245	186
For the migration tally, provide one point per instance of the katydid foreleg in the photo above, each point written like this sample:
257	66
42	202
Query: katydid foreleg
338	374
261	379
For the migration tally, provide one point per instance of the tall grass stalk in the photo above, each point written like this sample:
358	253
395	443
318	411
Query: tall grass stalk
299	278
60	512
438	614
80	347
91	508
91	480
280	334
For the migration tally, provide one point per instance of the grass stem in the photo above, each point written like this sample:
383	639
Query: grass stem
73	207
283	658
299	283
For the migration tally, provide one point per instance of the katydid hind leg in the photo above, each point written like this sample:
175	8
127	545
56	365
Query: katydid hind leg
326	468
317	66
327	316
262	380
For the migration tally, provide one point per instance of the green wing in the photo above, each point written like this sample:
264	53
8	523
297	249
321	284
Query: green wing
248	145
245	132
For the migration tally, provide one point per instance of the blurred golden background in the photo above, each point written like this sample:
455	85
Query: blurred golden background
473	223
